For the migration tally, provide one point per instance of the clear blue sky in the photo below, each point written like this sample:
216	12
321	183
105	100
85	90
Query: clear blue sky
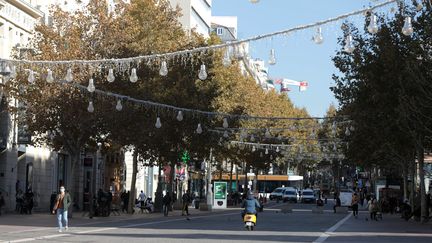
298	57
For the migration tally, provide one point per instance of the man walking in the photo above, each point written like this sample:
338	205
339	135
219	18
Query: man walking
354	204
63	201
186	200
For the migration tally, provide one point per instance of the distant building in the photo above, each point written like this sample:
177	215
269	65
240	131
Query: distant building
17	21
196	14
225	27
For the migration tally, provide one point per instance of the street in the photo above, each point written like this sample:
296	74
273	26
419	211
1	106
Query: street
221	226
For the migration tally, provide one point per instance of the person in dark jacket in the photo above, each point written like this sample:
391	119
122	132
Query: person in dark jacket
166	203
337	203
186	198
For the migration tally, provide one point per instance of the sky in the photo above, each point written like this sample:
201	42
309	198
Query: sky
298	57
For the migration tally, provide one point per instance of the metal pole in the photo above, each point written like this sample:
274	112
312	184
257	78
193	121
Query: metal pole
209	183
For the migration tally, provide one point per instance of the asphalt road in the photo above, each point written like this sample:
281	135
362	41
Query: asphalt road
224	226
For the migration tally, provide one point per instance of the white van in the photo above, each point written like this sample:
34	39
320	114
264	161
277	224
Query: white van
277	193
290	195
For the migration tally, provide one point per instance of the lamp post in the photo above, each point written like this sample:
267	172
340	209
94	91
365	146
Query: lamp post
209	194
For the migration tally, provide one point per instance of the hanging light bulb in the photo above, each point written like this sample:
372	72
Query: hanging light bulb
334	127
91	87
334	147
225	123
110	77
226	134
90	107
272	59
418	5
202	73
13	72
133	77
261	154
266	151
31	77
252	138
347	132
69	76
407	28
318	37
119	106
226	61
228	146
253	148
267	133
49	77
349	46
199	129
254	1
158	123
352	128
7	70
163	71
373	26
277	149
180	116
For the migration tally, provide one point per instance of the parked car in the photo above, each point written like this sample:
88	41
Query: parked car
277	193
307	196
290	195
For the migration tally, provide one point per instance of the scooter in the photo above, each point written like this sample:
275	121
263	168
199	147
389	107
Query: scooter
249	220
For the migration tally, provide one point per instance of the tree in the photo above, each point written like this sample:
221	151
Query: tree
383	88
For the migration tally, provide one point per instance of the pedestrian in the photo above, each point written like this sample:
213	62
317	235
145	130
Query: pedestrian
2	202
19	201
28	201
63	201
141	199
373	208
354	204
337	203
166	203
186	200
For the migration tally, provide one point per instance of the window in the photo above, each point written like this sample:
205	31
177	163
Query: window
219	31
29	176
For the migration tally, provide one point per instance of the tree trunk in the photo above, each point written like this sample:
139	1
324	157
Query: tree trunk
420	156
133	182
159	194
413	181
231	177
405	180
73	186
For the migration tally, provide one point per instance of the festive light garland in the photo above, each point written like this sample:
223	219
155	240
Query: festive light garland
153	104
171	55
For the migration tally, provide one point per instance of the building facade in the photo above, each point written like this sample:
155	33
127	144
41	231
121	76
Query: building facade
19	164
196	15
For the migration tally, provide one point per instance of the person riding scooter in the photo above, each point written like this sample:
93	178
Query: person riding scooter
250	205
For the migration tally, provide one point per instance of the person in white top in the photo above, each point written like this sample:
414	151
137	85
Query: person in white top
142	197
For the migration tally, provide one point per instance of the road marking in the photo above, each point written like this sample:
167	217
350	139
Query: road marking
115	228
332	229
